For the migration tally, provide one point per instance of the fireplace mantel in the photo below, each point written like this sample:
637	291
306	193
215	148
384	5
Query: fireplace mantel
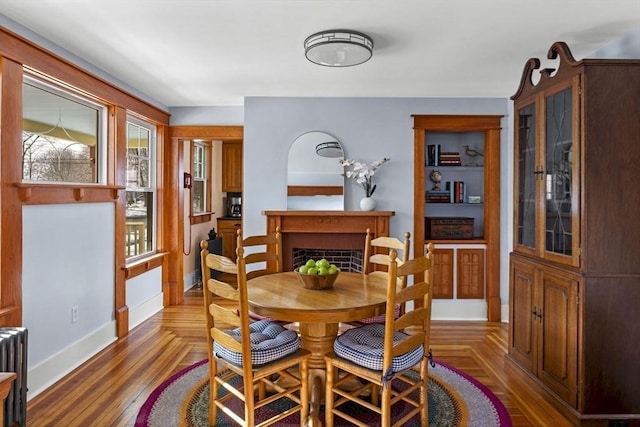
325	229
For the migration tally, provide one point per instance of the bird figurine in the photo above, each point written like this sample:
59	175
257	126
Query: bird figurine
471	152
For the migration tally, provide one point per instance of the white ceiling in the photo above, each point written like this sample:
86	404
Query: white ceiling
216	52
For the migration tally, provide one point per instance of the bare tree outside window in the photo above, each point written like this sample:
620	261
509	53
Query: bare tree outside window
60	136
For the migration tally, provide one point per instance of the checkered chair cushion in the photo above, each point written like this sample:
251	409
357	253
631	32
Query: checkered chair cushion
269	342
364	346
381	318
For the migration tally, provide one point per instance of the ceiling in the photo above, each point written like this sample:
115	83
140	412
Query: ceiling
216	52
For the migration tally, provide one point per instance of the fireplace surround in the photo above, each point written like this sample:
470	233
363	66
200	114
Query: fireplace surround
325	230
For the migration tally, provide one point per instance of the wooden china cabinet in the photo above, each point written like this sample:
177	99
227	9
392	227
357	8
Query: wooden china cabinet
457	205
575	270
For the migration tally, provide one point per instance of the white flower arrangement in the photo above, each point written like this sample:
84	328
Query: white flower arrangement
363	173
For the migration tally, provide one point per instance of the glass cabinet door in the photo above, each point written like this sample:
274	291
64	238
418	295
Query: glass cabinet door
526	174
558	174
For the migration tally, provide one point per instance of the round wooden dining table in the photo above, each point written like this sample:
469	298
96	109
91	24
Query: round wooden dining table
282	296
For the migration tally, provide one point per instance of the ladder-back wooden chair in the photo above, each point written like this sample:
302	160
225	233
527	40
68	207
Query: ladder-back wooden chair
390	359
246	357
263	255
376	262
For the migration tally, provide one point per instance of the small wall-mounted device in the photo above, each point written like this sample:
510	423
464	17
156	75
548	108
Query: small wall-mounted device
187	180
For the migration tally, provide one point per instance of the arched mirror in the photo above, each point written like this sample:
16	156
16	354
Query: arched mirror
314	174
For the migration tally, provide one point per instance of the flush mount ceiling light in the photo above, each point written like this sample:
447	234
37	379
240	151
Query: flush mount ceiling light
338	48
329	149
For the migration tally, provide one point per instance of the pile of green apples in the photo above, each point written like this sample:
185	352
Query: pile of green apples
321	267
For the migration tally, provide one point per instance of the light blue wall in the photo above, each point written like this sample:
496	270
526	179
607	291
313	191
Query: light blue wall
368	129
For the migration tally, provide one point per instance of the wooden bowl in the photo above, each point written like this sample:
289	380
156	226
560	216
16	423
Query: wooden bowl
318	282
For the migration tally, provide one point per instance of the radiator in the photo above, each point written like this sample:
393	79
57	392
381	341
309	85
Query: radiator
13	358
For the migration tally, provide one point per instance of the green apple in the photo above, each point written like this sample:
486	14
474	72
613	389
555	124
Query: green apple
333	269
312	270
323	271
303	269
310	263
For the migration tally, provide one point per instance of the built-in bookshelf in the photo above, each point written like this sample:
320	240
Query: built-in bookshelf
457	205
454	177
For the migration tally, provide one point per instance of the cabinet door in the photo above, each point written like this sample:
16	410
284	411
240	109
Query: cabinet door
522	345
525	173
443	273
470	277
546	175
560	179
232	167
558	354
227	230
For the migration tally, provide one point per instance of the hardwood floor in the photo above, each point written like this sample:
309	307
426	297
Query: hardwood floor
109	389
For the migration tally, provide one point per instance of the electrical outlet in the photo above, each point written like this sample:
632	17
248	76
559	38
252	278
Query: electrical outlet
74	314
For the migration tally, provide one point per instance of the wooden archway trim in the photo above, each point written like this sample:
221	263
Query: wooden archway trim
173	207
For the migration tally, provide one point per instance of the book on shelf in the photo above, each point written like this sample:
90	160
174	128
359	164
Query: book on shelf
433	154
457	191
437	157
437	196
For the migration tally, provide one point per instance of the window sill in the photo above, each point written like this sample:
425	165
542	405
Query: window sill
41	194
200	217
142	266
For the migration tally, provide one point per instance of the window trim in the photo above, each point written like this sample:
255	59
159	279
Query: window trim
151	185
206	215
52	86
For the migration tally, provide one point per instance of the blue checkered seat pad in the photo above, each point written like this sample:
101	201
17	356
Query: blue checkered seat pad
364	346
381	318
269	342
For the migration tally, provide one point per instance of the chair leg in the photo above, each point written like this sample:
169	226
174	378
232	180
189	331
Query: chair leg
304	392
213	409
328	395
375	394
213	393
385	405
424	398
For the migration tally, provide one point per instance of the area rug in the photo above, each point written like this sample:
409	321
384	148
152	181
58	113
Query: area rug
455	399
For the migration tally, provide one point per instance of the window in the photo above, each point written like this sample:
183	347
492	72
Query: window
199	192
62	135
141	186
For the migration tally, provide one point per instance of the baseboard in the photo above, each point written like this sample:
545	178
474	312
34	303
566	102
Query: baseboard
459	310
139	314
504	313
44	375
40	377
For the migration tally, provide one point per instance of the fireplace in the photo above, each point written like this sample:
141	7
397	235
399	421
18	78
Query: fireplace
344	259
334	232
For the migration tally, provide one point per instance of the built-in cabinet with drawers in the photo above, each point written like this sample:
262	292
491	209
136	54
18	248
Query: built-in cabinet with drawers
575	270
457	205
